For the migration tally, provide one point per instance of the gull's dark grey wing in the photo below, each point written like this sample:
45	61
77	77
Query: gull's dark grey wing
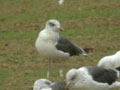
118	68
66	46
103	75
59	86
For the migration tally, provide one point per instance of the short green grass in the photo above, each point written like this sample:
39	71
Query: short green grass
88	23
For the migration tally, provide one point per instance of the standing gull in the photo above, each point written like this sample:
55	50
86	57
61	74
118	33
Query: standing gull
44	84
110	62
92	78
53	46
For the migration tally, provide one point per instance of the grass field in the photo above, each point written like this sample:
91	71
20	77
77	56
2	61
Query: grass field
88	23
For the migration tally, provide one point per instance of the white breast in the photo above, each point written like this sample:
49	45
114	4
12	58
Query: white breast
45	45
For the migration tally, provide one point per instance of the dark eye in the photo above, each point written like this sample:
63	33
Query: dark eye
52	24
73	77
48	83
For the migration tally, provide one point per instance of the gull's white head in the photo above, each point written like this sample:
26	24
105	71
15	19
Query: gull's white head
71	76
53	25
74	78
41	83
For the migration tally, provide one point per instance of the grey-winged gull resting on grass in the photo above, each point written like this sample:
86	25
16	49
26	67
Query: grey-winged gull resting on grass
53	46
110	62
44	84
92	78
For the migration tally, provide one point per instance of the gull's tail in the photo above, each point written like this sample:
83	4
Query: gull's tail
118	68
118	72
115	85
89	49
84	51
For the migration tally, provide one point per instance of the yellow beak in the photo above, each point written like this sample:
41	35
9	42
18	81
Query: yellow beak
61	29
67	86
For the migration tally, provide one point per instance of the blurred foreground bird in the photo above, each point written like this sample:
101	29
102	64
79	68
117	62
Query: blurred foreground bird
44	84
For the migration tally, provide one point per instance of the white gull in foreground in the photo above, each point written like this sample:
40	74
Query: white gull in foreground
44	84
92	78
110	62
53	46
41	84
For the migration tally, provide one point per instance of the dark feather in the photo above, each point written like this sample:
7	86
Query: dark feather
103	75
66	46
118	68
59	86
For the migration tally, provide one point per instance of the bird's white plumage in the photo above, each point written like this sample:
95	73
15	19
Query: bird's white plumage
60	2
46	41
80	79
53	46
42	84
110	62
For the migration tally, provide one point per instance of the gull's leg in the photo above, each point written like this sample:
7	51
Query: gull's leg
49	66
61	69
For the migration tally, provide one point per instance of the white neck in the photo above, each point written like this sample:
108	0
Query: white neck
49	35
